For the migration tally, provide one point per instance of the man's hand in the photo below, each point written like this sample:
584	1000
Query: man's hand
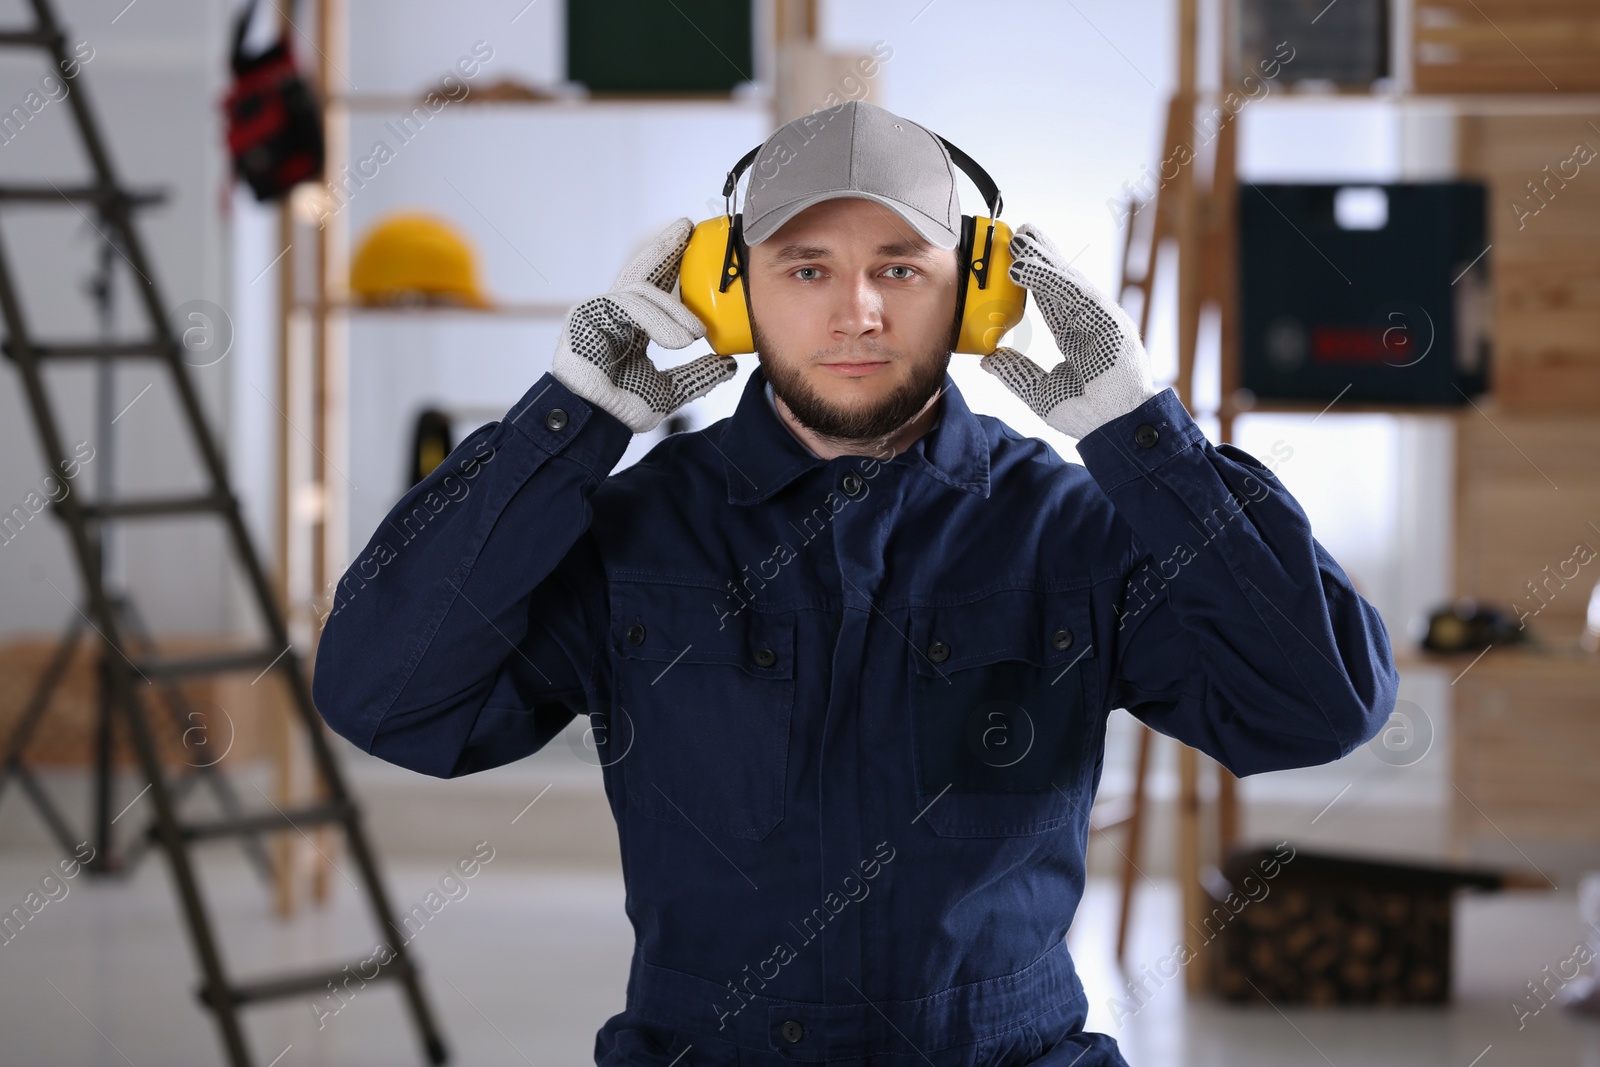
1104	371
601	356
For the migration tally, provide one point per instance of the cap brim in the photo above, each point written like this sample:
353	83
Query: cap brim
929	228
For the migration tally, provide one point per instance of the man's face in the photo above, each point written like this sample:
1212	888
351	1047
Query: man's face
852	311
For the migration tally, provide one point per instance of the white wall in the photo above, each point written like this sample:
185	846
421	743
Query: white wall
154	81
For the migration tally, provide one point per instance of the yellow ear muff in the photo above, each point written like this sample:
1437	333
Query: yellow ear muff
711	285
992	303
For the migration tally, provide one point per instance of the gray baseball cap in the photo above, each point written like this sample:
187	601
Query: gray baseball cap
854	150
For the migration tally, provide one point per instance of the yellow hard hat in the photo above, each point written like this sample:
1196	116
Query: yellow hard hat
410	255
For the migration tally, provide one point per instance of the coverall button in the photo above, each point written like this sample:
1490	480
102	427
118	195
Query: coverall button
764	657
556	420
793	1031
636	634
938	652
1061	638
1146	436
850	483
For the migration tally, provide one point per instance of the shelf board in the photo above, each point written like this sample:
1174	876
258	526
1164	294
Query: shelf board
382	102
510	309
1343	407
1474	103
1501	663
1513	657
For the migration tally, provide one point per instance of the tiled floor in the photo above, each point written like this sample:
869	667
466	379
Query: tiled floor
526	966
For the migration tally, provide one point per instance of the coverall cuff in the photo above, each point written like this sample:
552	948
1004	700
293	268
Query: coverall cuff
1132	445
554	418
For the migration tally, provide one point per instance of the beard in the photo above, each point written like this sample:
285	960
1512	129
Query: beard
854	424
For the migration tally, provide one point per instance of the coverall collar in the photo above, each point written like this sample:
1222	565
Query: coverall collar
761	456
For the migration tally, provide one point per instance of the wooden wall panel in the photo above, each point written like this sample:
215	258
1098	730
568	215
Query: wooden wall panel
1527	730
1527	495
1505	46
1544	232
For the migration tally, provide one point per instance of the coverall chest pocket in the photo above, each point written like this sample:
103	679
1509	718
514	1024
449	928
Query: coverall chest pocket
704	702
1003	705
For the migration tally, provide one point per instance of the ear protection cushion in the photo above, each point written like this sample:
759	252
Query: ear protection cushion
989	304
712	256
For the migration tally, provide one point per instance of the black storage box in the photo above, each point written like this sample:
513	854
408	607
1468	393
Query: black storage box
1323	929
1372	294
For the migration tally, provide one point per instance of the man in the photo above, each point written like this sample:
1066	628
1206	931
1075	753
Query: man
849	654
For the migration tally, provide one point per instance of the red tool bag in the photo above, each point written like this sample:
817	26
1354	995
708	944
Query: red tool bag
274	125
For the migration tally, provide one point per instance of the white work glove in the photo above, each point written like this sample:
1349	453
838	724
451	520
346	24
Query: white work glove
601	355
1104	371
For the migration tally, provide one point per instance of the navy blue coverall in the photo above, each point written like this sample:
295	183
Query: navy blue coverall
850	712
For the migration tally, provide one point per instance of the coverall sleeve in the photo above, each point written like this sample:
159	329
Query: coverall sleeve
464	634
1235	632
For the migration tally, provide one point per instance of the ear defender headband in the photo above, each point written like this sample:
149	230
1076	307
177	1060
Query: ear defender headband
988	302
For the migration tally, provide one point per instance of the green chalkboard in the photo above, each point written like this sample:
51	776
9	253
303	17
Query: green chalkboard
659	46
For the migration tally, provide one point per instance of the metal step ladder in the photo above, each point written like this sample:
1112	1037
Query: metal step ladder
130	667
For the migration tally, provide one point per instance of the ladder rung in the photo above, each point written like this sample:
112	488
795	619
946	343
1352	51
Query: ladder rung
36	38
261	822
307	982
94	350
218	664
49	194
153	506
